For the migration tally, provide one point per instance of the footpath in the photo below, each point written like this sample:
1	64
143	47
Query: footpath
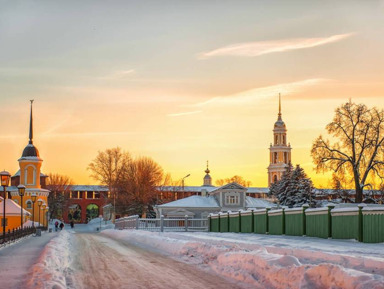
17	259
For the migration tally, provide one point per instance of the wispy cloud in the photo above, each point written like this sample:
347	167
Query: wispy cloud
252	49
119	74
184	113
257	94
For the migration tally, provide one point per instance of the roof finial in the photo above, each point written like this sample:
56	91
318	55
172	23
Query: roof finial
31	125
207	171
279	115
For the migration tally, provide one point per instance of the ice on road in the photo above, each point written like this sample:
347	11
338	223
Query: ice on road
101	262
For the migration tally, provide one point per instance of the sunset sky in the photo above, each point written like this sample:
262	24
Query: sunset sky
182	81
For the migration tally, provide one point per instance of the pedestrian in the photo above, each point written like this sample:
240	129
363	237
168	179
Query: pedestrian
61	225
56	225
72	224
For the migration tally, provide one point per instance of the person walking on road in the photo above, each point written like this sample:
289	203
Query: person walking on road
61	225
56	225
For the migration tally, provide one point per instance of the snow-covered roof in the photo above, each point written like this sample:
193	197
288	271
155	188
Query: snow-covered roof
196	189
90	188
258	203
192	202
11	208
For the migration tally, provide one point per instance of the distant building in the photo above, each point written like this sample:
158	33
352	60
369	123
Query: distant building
279	151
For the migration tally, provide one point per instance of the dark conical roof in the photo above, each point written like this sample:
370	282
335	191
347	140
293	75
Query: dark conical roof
30	151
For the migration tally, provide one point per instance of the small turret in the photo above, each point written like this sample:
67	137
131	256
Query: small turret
207	177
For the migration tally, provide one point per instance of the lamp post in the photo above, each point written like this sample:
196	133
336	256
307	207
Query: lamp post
46	216
21	189
33	199
182	180
39	203
5	177
44	206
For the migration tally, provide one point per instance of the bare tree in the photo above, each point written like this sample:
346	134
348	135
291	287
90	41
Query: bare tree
235	179
138	185
358	148
60	188
108	168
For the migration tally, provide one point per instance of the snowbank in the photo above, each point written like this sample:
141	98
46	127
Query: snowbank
271	261
53	271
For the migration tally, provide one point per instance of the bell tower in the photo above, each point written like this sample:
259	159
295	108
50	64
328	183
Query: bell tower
279	151
30	164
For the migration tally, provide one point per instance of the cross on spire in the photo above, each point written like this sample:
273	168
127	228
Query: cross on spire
279	115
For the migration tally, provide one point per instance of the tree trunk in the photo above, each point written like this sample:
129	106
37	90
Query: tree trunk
359	194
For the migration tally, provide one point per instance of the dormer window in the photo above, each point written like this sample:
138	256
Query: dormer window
232	199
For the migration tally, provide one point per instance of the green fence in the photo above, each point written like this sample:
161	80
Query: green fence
318	222
364	223
234	222
246	220
373	224
295	221
276	222
260	221
224	222
214	223
345	223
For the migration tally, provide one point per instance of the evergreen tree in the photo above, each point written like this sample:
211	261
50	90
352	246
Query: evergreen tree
294	189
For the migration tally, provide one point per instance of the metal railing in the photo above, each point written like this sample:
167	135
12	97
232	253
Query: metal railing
15	234
162	224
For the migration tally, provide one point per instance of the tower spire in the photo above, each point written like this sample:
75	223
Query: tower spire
31	125
279	115
207	171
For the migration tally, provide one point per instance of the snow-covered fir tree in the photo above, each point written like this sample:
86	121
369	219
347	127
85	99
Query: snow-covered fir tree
294	189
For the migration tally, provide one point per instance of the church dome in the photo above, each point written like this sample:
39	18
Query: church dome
280	123
30	151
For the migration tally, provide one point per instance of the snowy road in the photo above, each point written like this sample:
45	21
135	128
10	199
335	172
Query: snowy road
101	262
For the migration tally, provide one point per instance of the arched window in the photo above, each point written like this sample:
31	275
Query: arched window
283	139
275	156
30	175
29	204
276	139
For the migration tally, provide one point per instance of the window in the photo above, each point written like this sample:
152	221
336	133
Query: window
16	201
232	199
276	139
29	204
275	156
275	178
283	139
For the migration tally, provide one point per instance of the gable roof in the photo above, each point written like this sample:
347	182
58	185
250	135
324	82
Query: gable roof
192	202
258	203
230	186
11	208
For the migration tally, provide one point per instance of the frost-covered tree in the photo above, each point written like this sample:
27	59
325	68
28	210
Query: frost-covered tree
358	147
294	189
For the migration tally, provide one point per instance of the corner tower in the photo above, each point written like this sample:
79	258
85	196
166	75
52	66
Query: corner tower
30	165
279	151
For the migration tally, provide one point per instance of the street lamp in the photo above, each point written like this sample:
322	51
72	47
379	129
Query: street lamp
47	215
5	177
182	180
33	199
39	203
21	189
44	206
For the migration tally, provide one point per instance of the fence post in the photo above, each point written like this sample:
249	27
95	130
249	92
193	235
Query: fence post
305	206
137	222
361	206
186	223
162	223
330	207
209	222
267	220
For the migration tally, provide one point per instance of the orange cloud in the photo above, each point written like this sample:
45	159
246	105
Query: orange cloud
253	49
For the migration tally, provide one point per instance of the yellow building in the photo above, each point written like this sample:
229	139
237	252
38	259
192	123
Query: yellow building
35	197
280	151
13	214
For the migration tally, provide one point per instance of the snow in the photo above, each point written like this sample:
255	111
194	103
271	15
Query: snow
52	270
258	203
192	202
11	208
271	261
